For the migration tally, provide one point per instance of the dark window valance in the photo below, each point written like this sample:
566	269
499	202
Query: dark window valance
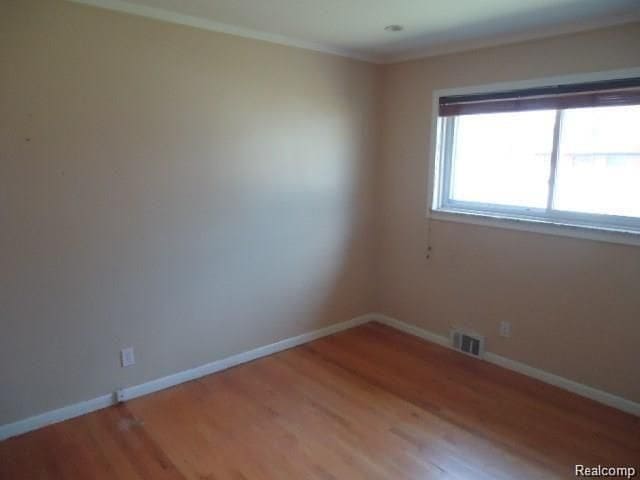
592	94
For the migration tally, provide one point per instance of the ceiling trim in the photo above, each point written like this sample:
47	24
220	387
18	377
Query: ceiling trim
468	45
206	24
413	54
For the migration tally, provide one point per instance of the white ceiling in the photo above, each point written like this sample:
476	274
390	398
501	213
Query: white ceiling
356	27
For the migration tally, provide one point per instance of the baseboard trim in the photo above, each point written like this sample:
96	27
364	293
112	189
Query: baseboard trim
54	416
586	391
81	408
233	360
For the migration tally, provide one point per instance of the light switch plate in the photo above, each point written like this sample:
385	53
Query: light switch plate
127	358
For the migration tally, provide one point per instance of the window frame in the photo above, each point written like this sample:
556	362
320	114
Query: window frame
608	228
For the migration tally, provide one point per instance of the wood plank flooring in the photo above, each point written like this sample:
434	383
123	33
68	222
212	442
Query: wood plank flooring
368	403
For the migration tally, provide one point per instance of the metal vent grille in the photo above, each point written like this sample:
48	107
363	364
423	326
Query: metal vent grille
468	343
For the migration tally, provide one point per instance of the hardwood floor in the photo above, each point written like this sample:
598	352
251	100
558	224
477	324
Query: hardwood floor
368	403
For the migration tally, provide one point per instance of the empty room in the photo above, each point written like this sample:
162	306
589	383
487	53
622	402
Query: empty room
303	239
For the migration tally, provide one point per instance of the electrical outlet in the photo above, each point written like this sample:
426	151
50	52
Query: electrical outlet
127	357
505	329
120	395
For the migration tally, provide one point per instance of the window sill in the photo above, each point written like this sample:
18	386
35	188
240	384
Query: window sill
544	227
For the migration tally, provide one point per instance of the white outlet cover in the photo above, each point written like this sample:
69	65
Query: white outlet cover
127	357
120	395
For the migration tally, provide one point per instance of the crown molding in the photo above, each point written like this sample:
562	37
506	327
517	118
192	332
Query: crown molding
410	55
211	25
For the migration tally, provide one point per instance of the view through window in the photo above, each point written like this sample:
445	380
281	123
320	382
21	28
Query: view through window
578	164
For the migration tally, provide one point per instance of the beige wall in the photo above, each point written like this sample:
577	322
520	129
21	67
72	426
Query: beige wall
195	195
574	304
188	193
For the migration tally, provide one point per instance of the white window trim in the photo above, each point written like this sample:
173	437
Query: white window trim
566	224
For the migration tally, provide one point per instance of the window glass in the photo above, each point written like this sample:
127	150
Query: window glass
502	158
599	161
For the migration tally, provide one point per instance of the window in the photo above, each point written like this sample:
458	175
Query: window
563	154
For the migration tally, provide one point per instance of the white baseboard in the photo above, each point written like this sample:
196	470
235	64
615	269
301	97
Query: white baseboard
55	416
81	408
233	360
600	396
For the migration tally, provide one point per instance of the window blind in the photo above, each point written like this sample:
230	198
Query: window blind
593	94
